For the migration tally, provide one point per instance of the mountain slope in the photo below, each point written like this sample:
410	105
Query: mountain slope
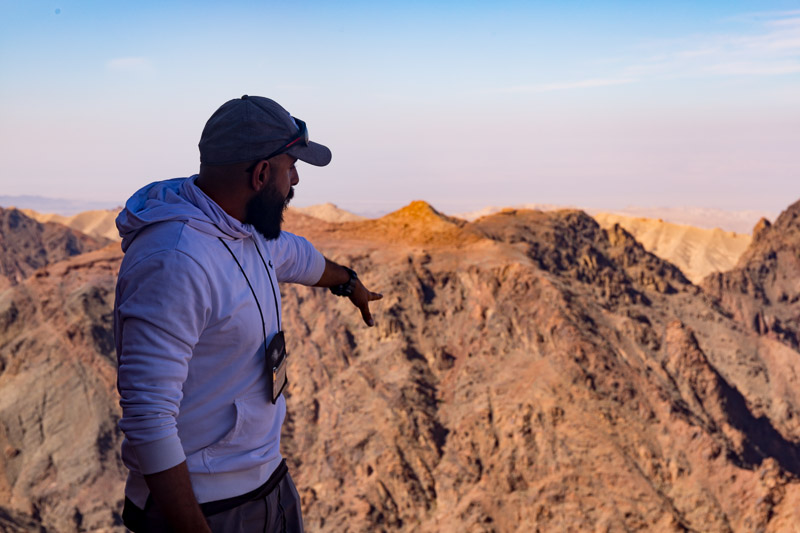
528	371
58	400
696	251
574	382
26	245
763	291
328	212
100	223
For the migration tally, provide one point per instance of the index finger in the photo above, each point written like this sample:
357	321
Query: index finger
366	315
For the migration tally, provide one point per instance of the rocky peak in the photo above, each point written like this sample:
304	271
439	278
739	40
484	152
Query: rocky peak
26	245
422	214
571	244
418	223
763	290
783	234
761	228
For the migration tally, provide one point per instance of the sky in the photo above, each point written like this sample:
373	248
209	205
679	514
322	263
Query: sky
602	104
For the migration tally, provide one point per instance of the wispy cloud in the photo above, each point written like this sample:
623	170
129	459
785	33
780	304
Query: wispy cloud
138	65
562	86
771	47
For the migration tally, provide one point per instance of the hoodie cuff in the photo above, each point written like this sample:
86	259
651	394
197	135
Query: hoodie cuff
160	455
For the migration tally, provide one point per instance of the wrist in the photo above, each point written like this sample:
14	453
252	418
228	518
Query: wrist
346	288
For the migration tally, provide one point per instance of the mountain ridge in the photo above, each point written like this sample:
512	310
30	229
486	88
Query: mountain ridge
527	370
26	245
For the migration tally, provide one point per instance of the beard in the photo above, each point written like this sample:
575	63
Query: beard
265	212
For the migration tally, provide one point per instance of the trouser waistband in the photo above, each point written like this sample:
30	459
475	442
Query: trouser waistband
135	518
220	506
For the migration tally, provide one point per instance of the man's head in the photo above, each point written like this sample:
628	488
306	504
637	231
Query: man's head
253	127
248	152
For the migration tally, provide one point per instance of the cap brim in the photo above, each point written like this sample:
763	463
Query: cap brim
314	153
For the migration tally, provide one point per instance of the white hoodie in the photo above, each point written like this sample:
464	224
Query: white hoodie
190	344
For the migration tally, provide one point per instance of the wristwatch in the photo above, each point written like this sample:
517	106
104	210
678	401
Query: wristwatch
346	289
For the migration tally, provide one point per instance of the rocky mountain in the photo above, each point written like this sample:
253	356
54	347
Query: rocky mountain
98	223
741	221
58	402
696	251
549	376
763	291
26	245
328	212
529	371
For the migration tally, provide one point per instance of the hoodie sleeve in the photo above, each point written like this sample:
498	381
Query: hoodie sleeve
163	304
296	259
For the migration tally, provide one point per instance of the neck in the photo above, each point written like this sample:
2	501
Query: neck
223	194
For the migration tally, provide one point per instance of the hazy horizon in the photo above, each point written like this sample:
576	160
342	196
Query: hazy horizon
740	221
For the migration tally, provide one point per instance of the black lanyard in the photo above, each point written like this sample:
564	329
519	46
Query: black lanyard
258	304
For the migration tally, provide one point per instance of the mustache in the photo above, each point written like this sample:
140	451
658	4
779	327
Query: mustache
290	195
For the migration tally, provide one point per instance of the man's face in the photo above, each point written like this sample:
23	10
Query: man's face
265	210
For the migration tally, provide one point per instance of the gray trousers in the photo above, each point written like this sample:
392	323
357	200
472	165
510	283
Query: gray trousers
277	512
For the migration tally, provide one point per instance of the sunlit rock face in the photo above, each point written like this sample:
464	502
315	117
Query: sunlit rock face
528	371
58	400
698	252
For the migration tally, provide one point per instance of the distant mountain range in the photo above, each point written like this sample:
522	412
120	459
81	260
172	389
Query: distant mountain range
741	221
58	206
699	217
530	370
98	223
26	245
696	251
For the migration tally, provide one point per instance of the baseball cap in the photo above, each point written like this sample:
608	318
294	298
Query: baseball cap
253	127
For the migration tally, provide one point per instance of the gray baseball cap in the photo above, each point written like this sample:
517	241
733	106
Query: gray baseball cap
253	127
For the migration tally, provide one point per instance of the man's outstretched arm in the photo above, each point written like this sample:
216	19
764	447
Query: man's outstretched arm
335	274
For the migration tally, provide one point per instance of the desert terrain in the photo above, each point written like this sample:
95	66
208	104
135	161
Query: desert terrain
529	371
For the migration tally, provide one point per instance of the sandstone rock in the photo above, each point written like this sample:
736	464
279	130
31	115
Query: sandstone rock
696	251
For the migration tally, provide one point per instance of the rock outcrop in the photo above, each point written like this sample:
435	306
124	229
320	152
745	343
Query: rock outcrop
26	245
698	252
763	291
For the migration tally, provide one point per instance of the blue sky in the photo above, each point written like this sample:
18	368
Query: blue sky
463	104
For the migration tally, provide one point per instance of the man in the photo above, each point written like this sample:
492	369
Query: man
198	331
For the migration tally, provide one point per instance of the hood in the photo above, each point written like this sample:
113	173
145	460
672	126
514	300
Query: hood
181	200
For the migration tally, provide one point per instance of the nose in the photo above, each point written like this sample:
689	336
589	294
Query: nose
295	177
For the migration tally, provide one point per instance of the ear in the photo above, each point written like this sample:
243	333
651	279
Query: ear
260	175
